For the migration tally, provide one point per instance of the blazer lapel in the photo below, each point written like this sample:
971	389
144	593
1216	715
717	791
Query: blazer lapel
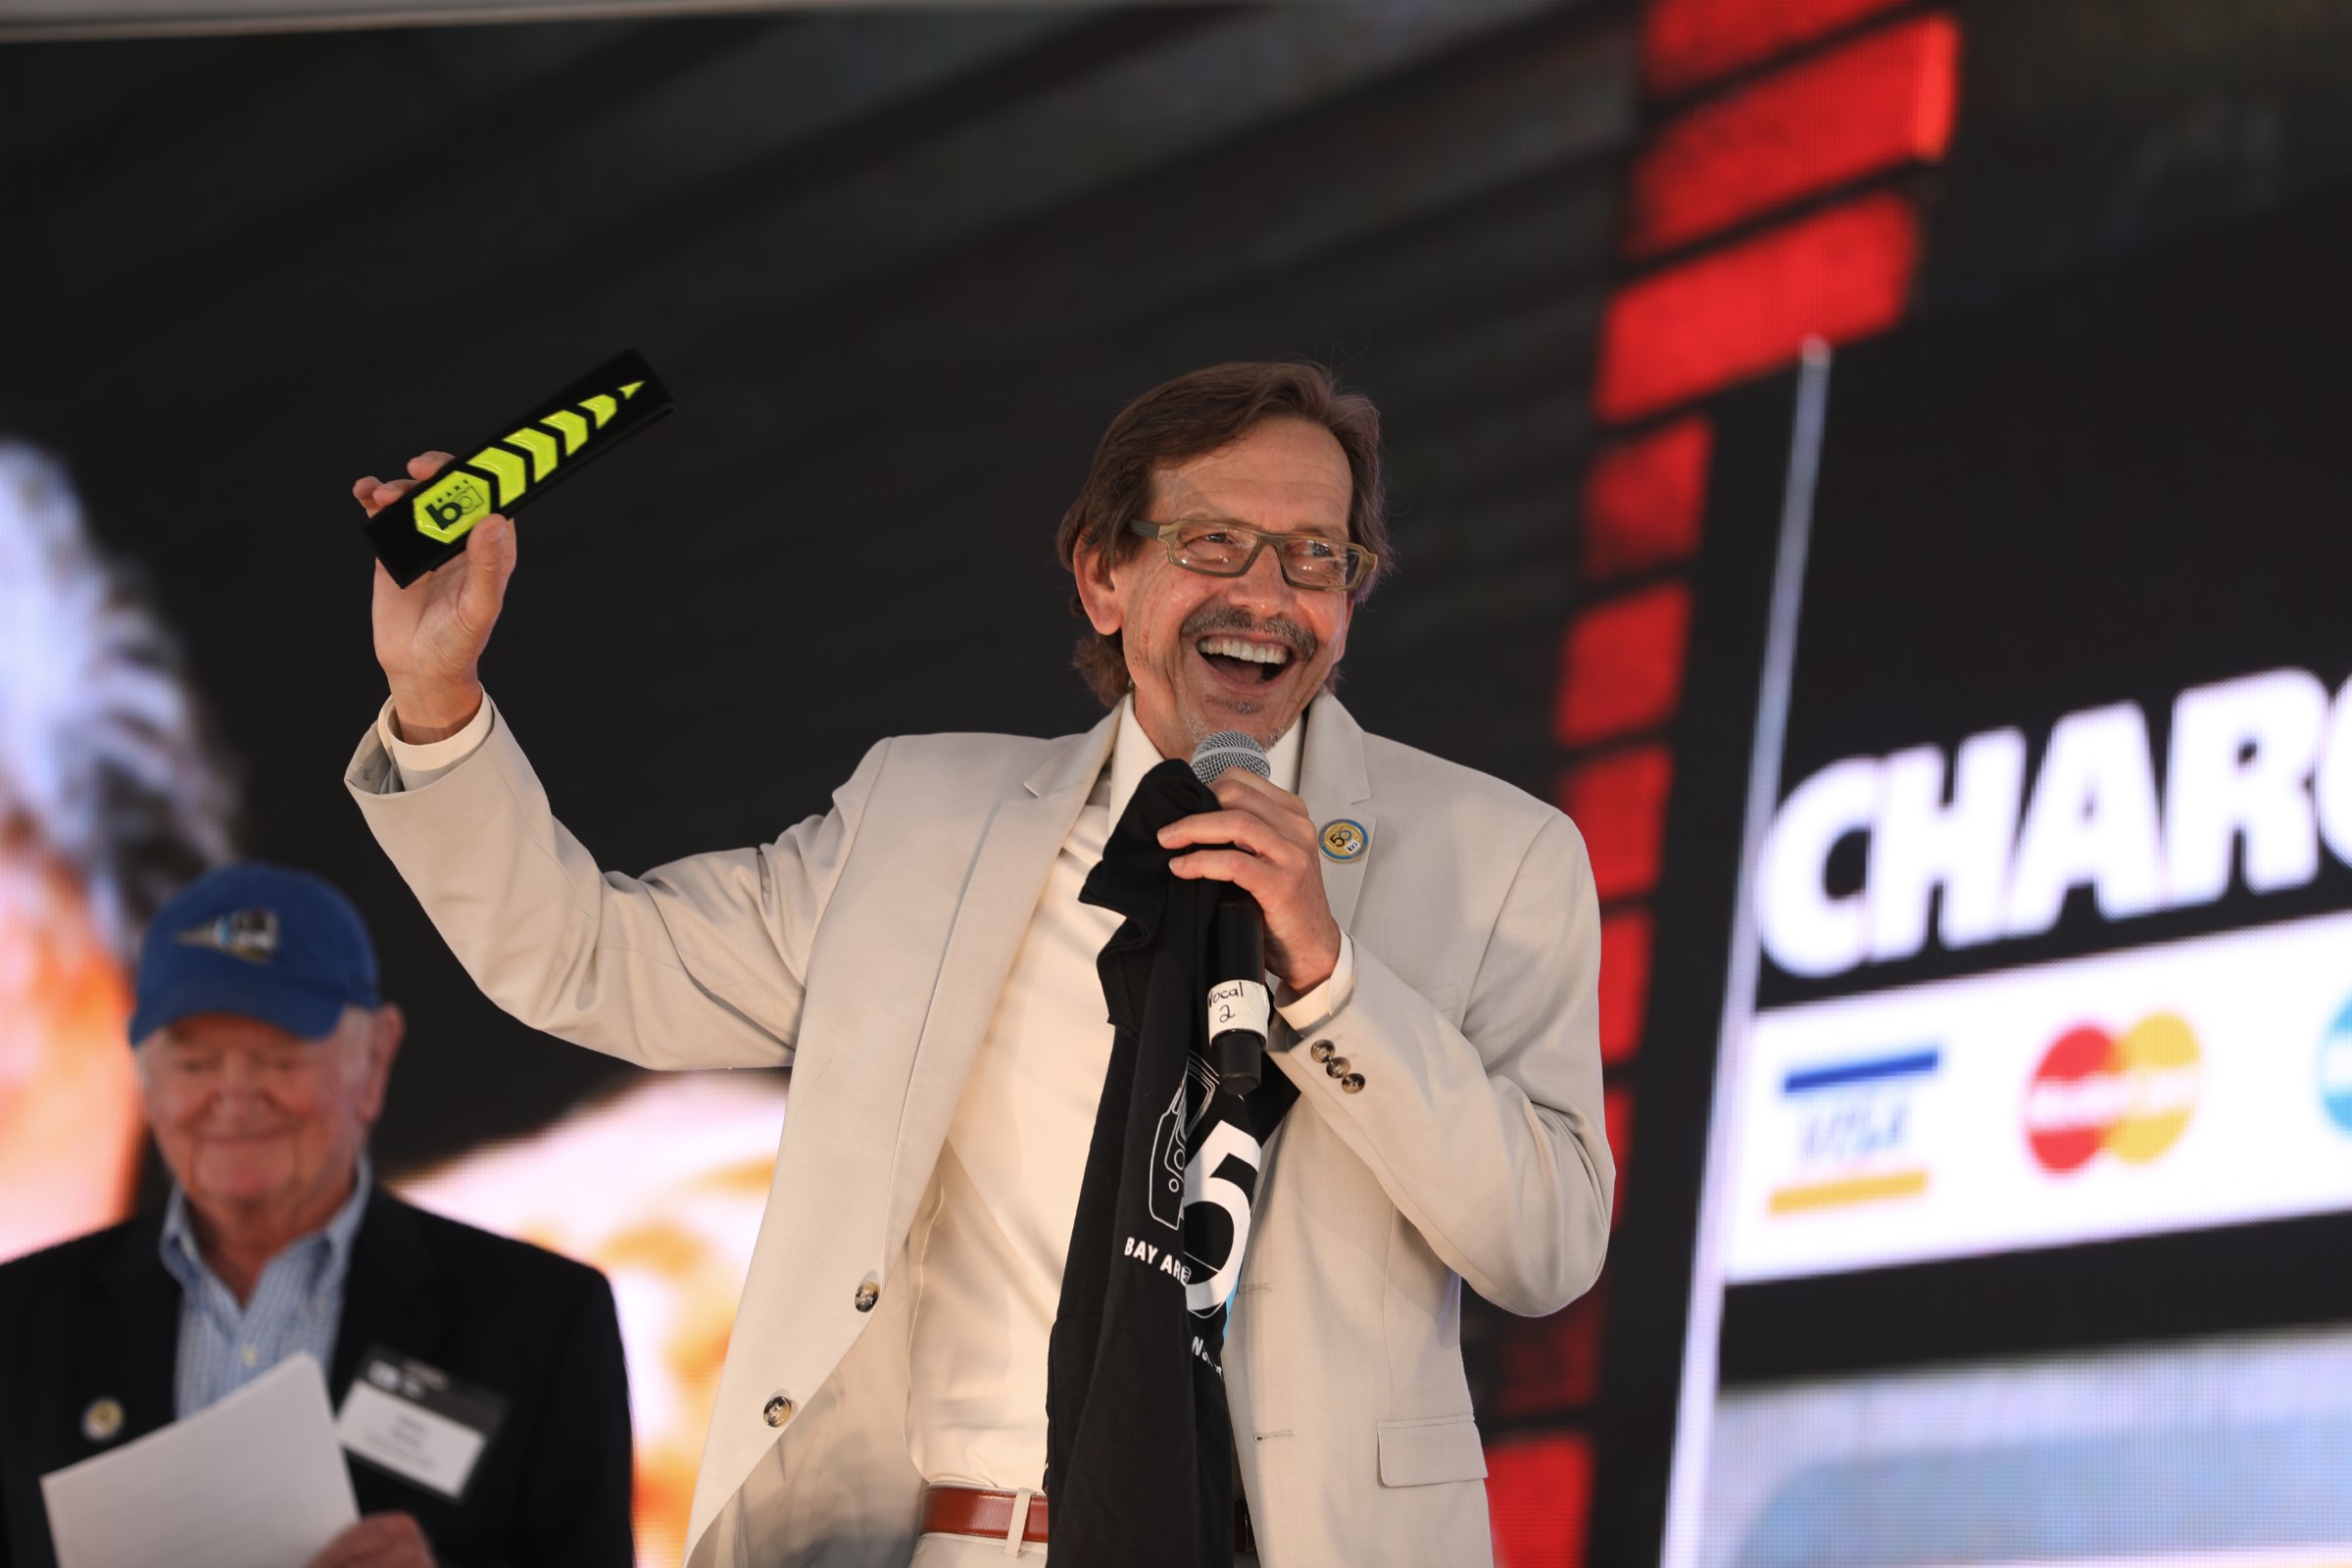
391	1295
1334	786
1009	874
130	1351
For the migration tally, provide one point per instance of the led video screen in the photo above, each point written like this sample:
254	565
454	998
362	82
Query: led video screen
2031	1152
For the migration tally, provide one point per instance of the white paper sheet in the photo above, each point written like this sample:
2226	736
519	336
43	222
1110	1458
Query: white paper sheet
254	1480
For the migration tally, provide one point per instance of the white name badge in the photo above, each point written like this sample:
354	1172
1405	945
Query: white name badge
417	1422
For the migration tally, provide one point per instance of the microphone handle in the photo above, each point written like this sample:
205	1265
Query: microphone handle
1238	1007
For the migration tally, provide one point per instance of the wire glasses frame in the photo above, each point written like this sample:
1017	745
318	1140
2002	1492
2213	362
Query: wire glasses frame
1229	550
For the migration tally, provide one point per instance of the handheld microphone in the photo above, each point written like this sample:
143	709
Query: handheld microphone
1238	1007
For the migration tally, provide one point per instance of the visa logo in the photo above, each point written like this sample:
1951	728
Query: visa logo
1855	1131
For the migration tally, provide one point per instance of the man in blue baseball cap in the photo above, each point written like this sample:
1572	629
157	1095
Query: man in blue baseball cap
264	1050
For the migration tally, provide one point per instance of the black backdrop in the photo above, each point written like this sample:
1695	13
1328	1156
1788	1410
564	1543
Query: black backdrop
899	269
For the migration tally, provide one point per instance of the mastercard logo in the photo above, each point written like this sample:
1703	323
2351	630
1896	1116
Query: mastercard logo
2129	1094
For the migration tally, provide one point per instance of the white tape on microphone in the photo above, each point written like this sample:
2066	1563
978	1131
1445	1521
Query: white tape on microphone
1239	1005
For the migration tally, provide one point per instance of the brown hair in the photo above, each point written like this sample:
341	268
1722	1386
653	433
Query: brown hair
1201	412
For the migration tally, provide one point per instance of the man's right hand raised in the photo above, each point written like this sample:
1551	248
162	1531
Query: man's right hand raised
429	636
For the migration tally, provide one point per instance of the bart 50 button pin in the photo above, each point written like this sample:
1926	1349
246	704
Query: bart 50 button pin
102	1419
1343	840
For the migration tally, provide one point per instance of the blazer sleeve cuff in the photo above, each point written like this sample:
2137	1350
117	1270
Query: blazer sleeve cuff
412	765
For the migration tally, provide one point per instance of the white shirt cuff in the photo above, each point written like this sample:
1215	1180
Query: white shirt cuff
415	764
1304	1012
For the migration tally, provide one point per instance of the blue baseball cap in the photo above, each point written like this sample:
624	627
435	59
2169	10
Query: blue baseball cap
257	940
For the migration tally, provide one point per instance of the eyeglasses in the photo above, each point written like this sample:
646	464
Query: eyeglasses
1228	549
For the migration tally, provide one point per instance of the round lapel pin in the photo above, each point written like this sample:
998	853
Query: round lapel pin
1343	841
102	1420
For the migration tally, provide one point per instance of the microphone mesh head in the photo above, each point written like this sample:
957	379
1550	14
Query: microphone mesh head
1229	748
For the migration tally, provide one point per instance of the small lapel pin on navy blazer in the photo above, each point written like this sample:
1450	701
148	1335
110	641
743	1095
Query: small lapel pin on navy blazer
264	1053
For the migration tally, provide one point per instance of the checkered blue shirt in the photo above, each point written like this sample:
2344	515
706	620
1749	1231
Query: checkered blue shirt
296	1306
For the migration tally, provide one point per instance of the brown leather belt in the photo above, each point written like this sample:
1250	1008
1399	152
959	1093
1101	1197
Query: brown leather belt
974	1511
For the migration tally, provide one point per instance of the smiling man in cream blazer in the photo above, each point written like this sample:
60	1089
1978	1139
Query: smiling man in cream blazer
919	957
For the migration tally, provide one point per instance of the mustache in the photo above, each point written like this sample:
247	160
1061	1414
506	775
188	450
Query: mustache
1210	619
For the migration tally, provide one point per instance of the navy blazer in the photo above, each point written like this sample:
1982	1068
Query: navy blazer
99	1318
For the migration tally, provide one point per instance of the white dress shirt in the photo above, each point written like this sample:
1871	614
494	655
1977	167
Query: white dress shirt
993	1230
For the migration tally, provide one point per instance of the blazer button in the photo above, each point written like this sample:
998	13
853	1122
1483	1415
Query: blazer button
776	1411
1337	1066
1320	1050
868	1293
1353	1082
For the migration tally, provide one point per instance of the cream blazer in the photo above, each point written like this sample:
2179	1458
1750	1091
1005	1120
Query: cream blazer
864	947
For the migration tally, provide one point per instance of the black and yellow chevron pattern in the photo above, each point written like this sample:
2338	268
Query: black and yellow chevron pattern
496	476
590	416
